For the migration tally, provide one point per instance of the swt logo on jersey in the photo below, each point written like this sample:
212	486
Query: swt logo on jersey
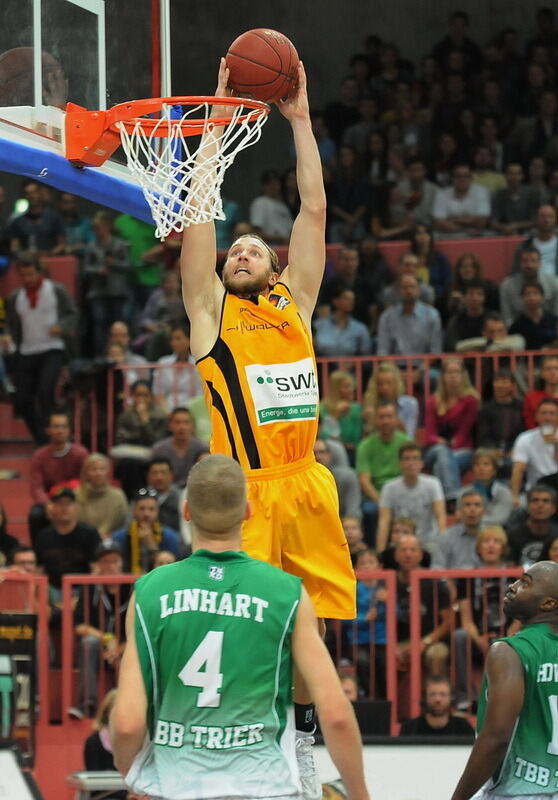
283	392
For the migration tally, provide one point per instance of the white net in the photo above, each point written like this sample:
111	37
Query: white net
180	174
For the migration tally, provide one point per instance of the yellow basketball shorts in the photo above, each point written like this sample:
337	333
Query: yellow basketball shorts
295	525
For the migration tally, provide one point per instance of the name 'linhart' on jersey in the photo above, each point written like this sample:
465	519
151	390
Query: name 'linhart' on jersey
212	602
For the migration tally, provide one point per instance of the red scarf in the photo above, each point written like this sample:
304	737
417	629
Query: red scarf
33	293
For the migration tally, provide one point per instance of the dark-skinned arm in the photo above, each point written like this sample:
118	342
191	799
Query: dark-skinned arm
506	691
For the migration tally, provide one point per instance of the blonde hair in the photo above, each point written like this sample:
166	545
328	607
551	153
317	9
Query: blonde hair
408	522
103	712
216	494
273	257
486	452
336	379
465	390
84	489
495	532
384	367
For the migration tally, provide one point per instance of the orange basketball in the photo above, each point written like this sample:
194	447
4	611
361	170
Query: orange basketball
262	65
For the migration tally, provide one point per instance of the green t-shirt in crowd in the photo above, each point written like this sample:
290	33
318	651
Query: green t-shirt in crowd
380	459
141	237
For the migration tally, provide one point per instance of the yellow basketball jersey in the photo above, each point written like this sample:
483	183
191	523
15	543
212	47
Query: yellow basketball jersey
261	382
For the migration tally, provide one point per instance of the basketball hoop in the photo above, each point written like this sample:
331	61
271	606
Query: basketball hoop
180	176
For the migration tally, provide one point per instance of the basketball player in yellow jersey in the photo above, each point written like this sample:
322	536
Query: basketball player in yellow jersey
251	338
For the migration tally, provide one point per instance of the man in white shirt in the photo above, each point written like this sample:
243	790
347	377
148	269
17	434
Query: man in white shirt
413	495
269	215
463	208
175	385
535	452
544	240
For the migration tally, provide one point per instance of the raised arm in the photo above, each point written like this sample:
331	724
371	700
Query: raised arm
306	266
202	290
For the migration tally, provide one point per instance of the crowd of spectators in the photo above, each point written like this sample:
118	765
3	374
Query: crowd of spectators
437	464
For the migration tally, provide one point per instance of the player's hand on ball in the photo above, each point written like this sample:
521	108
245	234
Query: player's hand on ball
296	107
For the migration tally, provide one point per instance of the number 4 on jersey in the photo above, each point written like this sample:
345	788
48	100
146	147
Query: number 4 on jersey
207	654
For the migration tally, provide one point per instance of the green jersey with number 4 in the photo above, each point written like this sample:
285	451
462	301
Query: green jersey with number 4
531	763
213	636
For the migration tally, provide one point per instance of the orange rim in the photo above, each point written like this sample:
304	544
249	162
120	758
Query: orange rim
133	112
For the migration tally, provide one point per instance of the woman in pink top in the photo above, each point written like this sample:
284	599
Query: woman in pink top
451	416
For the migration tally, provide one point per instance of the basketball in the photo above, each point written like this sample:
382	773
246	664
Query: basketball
262	65
16	78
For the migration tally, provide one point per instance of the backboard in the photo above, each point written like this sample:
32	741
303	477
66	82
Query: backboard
94	53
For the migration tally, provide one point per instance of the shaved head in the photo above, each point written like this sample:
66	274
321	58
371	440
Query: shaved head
533	598
545	575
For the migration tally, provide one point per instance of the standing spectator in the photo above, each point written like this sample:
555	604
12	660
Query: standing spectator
145	535
76	228
100	504
160	477
66	546
414	495
457	40
534	452
119	333
468	323
537	326
106	265
269	215
514	208
348	199
386	386
41	325
339	114
377	462
437	719
60	461
528	533
500	419
100	624
457	548
340	415
463	208
346	480
39	229
549	378
544	240
144	267
511	299
7	542
176	385
433	265
497	495
182	448
341	334
410	327
451	416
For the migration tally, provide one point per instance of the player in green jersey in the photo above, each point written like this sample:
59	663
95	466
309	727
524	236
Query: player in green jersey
516	751
204	705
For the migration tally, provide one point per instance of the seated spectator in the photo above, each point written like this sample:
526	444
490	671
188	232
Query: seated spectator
530	529
340	415
137	430
100	504
400	526
376	160
7	541
437	719
358	134
468	268
451	416
391	219
417	193
435	611
354	535
269	215
66	546
386	386
537	326
444	158
549	378
347	199
100	624
377	462
500	419
346	480
59	461
326	146
106	264
22	558
534	454
463	208
433	266
160	477
145	536
536	173
175	385
164	306
341	113
350	686
457	40
76	228
415	496
372	275
366	634
340	334
119	333
514	208
457	548
410	327
537	135
484	173
493	339
511	300
182	448
489	135
469	322
544	240
497	495
97	750
162	558
39	228
408	264
144	255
